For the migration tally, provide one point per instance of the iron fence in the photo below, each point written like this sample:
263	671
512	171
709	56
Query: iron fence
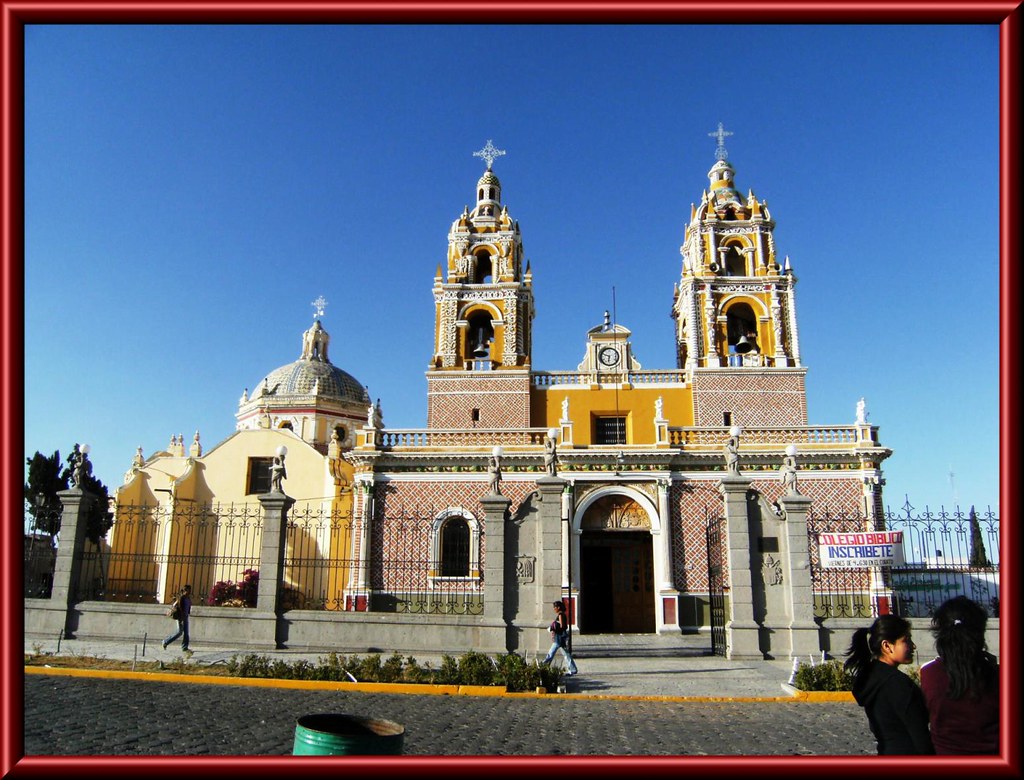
152	551
412	571
715	529
944	554
319	568
334	561
40	550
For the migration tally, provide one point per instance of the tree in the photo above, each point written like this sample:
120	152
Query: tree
979	559
46	478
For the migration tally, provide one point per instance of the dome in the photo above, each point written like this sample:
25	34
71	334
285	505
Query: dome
721	174
489	178
300	378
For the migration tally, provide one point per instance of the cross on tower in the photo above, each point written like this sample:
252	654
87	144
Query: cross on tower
489	153
318	307
720	134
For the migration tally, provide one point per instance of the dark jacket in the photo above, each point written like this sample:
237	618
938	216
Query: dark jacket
969	724
559	629
895	709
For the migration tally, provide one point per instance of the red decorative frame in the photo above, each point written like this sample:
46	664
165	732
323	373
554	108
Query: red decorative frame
16	14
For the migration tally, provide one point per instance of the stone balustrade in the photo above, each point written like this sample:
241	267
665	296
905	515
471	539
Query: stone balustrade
803	436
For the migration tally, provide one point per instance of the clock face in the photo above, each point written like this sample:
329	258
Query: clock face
609	356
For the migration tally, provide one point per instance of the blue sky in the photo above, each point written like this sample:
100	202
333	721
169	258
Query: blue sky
191	189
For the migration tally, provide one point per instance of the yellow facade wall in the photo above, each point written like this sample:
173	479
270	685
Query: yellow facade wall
636	404
154	537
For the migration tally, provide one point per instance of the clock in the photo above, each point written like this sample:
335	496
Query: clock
609	356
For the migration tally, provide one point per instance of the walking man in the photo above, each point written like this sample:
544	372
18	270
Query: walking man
180	612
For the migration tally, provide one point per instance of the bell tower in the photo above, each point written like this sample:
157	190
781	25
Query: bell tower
735	310
480	371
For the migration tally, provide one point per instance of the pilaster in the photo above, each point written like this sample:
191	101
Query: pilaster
803	630
549	546
667	617
741	628
275	524
76	504
496	611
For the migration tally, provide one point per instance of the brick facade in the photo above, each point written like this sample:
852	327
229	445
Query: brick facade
501	400
770	399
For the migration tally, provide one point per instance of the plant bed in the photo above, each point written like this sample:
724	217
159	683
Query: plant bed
472	669
831	677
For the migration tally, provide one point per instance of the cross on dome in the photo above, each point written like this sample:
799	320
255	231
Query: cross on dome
489	153
318	307
720	134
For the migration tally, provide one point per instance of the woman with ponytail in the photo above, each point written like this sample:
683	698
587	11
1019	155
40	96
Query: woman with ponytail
961	686
893	703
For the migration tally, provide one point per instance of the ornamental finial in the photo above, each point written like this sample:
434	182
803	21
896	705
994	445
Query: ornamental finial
720	134
489	153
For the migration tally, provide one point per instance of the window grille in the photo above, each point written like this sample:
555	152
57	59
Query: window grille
610	430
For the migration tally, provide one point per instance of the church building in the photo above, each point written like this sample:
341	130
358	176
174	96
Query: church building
639	449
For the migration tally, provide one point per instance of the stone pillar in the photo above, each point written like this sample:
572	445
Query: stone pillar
59	611
497	613
742	630
803	630
357	595
550	569
668	596
266	631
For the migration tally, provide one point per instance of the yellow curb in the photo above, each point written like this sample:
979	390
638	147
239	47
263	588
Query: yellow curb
817	696
684	699
421	689
262	682
482	690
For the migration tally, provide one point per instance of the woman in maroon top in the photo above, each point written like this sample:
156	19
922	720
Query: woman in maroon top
961	686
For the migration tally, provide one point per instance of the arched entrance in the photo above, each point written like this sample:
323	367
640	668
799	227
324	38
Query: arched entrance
616	568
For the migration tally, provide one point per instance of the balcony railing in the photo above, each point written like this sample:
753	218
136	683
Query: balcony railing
800	435
556	378
465	437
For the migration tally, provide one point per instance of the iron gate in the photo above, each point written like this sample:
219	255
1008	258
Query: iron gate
715	535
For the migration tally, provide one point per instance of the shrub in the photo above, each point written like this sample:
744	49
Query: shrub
250	666
227	593
222	592
472	668
414	673
476	669
391	670
516	675
448	674
367	669
249	587
831	676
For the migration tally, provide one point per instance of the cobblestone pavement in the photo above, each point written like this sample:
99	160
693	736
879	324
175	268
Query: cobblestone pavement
82	716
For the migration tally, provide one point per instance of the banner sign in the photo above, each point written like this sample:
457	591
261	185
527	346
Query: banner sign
860	550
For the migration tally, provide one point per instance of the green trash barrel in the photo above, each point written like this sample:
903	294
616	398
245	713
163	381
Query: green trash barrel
347	735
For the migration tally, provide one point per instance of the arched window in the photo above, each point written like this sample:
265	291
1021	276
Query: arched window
455	548
479	337
741	332
735	262
483	269
286	425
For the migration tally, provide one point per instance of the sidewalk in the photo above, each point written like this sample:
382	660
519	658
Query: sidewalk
632	665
